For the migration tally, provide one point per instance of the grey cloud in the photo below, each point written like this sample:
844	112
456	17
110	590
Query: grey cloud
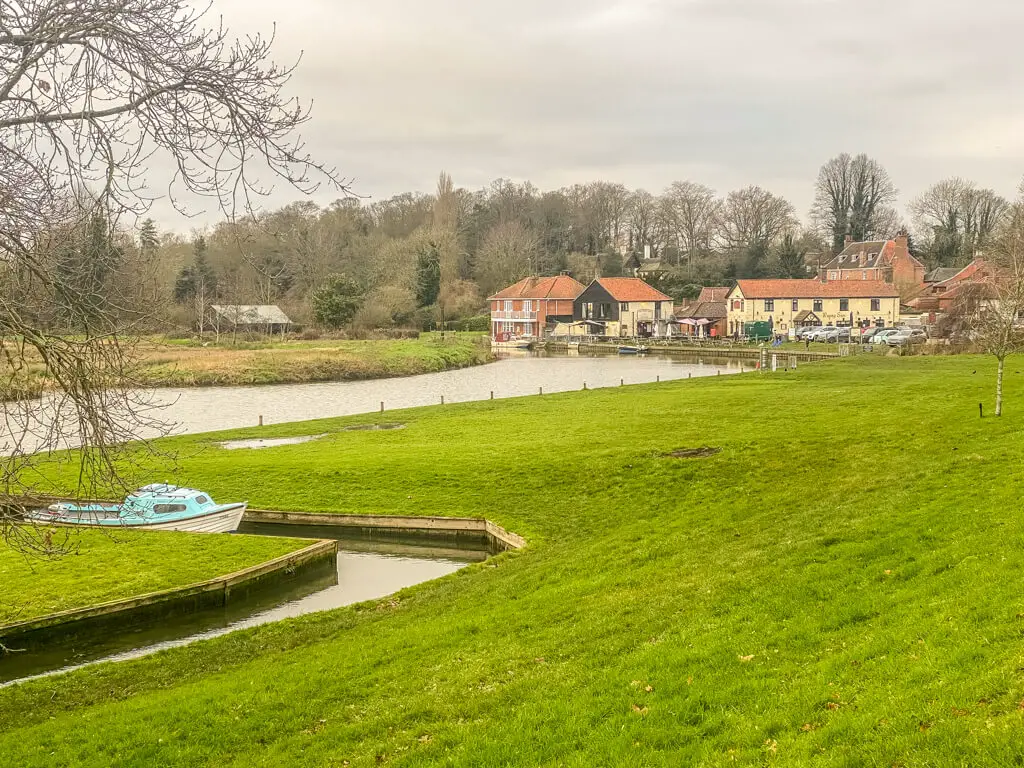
725	92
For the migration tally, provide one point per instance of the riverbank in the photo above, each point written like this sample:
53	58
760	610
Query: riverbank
105	566
839	582
166	364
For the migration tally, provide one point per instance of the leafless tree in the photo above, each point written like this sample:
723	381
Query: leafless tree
996	302
92	92
508	254
956	219
689	213
753	216
851	197
642	215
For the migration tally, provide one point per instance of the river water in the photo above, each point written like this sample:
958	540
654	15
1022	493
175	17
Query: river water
513	375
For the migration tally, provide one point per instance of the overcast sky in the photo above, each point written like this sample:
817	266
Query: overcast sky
645	92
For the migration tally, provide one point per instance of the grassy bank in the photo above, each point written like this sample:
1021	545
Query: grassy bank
169	364
840	585
111	566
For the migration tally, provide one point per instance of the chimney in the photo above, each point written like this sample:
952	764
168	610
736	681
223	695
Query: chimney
847	240
901	241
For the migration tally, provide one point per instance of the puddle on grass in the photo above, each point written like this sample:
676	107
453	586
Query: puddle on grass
368	427
272	442
366	569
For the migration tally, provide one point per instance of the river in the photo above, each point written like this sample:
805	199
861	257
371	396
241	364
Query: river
514	374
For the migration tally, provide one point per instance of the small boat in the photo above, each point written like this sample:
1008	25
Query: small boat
632	349
156	507
512	343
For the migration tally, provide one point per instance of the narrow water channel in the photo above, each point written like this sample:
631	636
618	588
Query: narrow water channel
366	569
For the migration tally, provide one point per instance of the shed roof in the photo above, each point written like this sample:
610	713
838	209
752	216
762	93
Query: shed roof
816	289
709	310
252	314
557	287
628	289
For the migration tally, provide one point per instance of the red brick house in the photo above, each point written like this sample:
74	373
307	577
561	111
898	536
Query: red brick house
527	308
888	261
940	296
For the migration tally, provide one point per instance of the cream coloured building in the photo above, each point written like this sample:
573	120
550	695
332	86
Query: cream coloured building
790	304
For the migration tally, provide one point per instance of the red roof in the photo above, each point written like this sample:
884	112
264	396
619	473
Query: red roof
815	289
631	289
713	294
559	287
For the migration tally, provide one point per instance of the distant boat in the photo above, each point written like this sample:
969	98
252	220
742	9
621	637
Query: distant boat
632	349
156	507
512	343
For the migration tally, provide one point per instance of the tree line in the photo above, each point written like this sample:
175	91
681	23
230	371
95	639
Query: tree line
414	260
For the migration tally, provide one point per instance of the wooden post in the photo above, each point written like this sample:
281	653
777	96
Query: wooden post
540	390
382	406
658	378
492	394
584	385
261	419
622	382
981	411
442	399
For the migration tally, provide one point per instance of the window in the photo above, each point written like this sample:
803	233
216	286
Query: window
588	311
876	305
844	305
795	306
508	306
201	499
604	311
168	509
527	306
833	275
737	304
817	305
769	305
623	307
863	275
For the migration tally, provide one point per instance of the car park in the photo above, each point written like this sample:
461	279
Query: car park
836	335
882	335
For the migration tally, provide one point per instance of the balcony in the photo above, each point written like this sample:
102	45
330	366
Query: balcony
522	317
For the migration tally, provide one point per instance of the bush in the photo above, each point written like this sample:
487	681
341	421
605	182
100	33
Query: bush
476	323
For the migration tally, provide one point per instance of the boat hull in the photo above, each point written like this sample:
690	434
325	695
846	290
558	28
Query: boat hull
224	520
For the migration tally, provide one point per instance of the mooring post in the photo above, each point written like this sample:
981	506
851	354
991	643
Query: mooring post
622	382
689	375
492	394
584	385
658	378
261	419
442	399
540	390
382	406
981	411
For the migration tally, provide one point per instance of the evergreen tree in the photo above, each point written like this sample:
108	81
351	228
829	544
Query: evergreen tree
428	276
337	302
611	264
790	259
198	278
149	238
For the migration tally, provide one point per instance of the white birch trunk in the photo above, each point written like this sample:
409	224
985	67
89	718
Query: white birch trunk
999	387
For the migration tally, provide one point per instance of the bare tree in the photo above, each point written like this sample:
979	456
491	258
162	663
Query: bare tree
642	212
996	302
689	213
90	92
851	196
508	254
753	216
956	220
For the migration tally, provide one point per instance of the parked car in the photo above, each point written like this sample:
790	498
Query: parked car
907	336
882	335
807	331
819	334
868	335
836	335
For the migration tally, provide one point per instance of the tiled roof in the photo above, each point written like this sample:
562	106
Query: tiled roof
559	287
976	270
710	310
866	255
631	289
714	294
815	289
940	274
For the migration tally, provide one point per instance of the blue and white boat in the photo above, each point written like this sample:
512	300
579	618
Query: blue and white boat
156	507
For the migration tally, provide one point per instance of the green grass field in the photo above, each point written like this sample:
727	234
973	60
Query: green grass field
107	566
840	586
